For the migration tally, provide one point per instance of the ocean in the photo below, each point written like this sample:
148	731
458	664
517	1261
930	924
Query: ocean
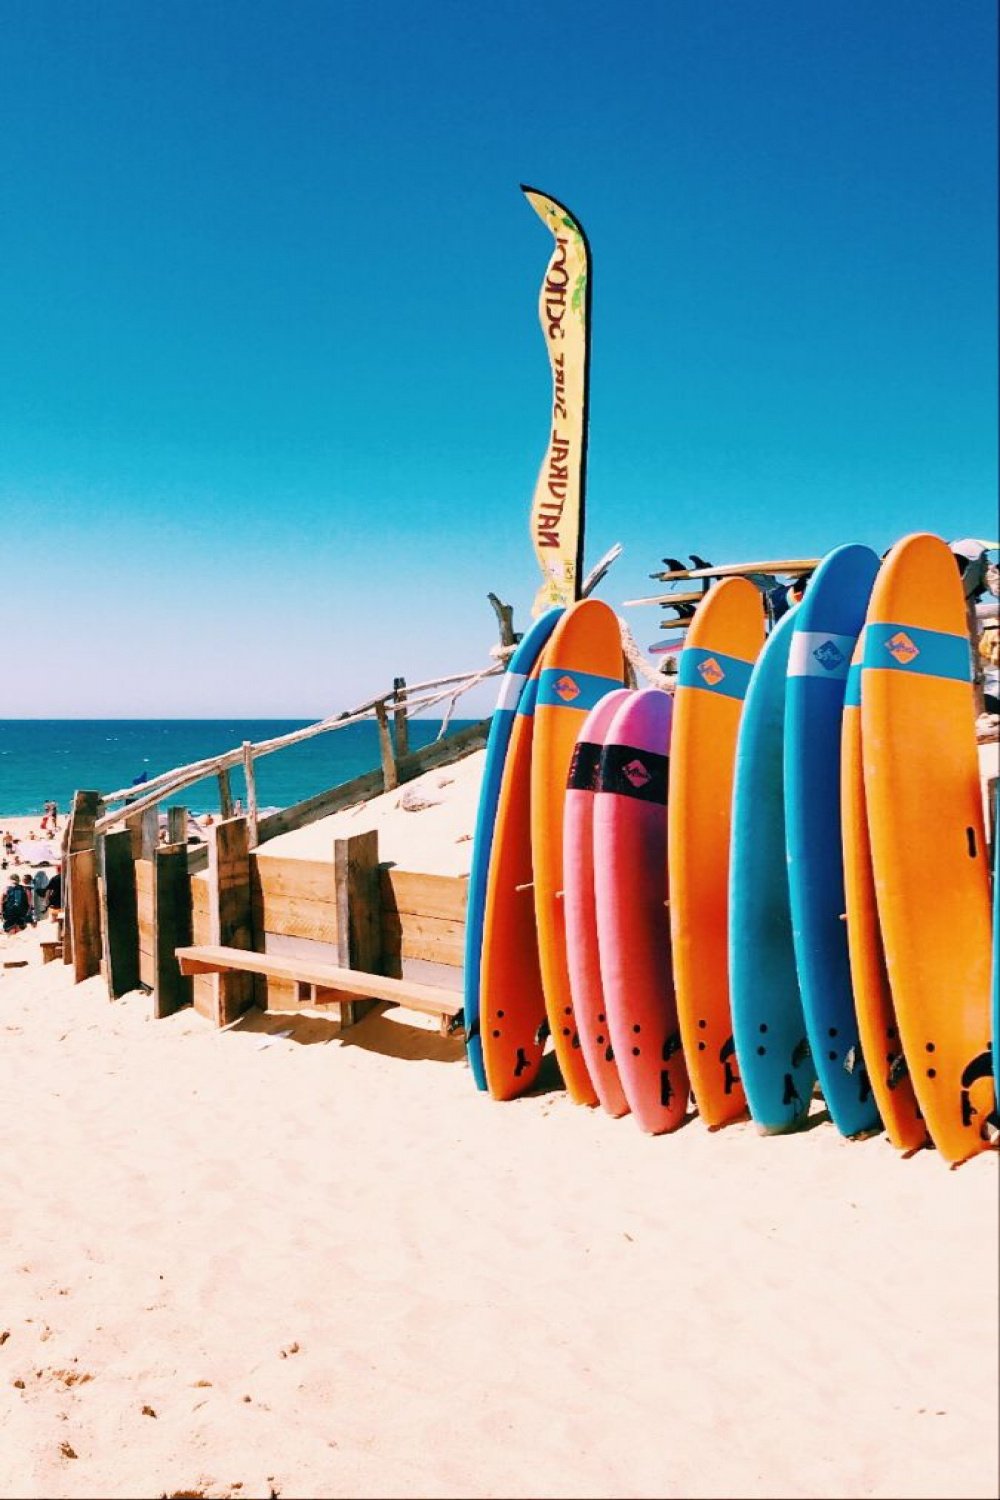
43	760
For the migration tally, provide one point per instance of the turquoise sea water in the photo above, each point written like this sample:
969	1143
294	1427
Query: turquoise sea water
48	759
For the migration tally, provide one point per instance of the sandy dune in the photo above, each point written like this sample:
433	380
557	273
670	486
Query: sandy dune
435	836
246	1263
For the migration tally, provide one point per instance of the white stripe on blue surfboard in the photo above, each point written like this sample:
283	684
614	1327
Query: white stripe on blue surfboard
820	653
511	688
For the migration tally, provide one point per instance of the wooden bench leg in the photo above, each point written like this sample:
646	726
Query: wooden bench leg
357	891
350	1011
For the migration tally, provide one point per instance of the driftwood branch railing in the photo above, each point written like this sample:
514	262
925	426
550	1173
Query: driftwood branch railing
401	700
396	705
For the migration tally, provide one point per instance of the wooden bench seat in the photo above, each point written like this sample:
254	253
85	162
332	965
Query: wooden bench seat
326	982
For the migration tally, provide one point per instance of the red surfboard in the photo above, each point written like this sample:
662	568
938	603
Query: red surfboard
633	930
580	905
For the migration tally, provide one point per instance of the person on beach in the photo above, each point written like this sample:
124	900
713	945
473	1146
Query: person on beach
972	560
54	893
39	889
15	908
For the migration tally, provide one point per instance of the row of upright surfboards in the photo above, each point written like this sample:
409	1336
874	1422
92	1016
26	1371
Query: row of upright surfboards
773	877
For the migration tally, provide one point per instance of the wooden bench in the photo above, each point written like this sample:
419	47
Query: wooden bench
52	948
326	984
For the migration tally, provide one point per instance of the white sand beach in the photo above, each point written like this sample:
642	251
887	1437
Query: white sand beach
285	1260
275	1260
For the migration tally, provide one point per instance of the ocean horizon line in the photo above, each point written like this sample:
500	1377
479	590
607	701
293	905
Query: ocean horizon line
44	760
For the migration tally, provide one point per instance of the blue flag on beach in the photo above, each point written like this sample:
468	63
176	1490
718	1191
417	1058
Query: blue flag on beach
137	781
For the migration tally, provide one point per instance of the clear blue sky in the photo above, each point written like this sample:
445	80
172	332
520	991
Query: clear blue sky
274	396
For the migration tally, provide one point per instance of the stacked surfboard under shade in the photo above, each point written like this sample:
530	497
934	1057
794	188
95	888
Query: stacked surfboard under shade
513	684
798	841
525	992
825	630
723	643
581	664
582	947
927	837
769	1024
512	1020
630	895
878	1024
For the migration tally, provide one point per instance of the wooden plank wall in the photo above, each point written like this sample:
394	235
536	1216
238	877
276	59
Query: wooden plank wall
293	898
144	906
201	932
423	916
172	917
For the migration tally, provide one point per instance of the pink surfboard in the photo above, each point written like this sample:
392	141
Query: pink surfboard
633	928
580	906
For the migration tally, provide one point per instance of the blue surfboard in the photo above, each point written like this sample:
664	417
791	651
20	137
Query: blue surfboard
827	625
769	1028
512	685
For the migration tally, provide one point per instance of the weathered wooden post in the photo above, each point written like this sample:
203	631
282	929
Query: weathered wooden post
150	825
78	836
119	912
171	928
177	825
399	719
230	914
390	771
505	620
358	893
251	782
86	916
225	794
133	824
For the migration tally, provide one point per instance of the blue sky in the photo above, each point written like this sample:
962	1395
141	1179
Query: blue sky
274	394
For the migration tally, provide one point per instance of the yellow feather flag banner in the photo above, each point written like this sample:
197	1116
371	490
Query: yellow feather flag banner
557	510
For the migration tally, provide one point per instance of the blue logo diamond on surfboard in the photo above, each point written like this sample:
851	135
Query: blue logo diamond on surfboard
829	656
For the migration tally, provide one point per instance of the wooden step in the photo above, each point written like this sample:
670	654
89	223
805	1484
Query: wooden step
327	980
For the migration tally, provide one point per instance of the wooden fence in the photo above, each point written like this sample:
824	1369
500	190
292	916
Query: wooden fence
132	901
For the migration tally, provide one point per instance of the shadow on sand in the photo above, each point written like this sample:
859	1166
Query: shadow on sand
383	1031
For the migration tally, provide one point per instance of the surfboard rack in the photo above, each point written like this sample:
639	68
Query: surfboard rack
692	596
776	567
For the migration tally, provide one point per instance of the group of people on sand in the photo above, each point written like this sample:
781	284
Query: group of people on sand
12	848
27	898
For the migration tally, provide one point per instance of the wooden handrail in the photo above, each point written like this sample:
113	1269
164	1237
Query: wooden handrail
150	793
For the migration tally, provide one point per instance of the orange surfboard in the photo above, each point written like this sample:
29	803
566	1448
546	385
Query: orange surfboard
928	845
512	1020
581	663
723	643
878	1025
